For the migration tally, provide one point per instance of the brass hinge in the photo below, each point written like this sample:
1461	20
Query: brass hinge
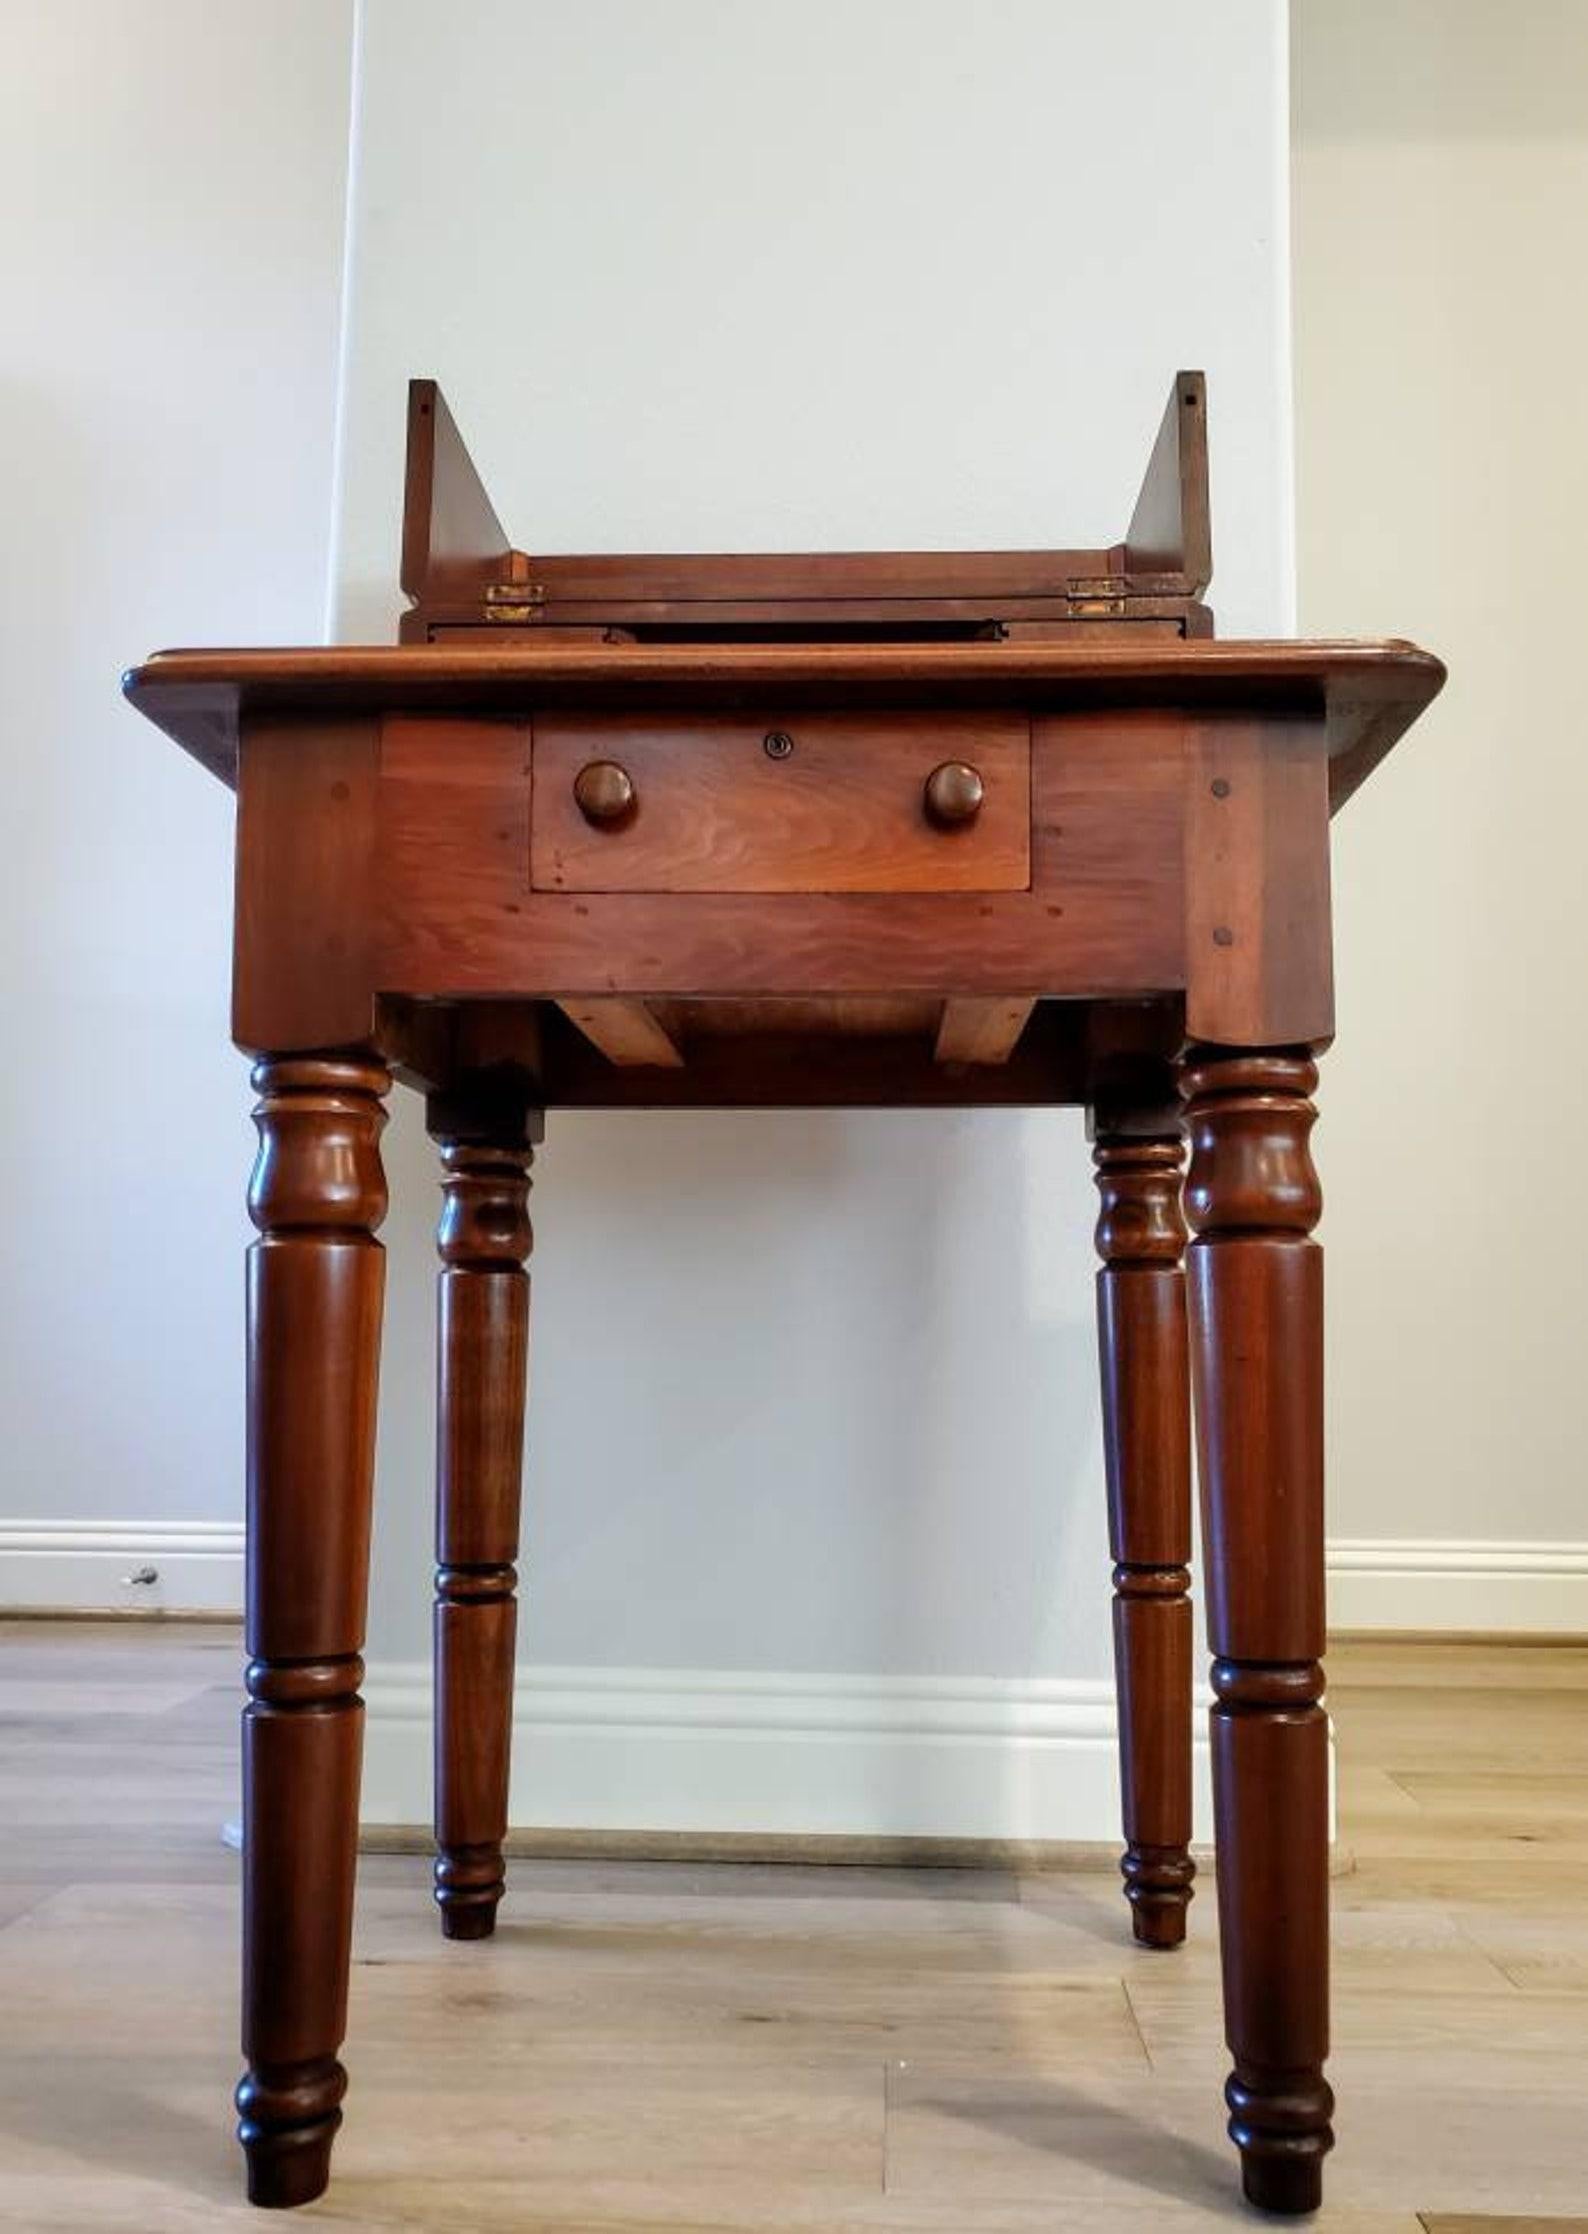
514	601
1104	596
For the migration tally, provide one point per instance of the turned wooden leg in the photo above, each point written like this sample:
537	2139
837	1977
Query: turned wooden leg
1256	1294
482	1358
1141	1323
315	1278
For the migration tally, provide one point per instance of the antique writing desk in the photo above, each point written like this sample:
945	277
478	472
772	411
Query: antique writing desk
729	832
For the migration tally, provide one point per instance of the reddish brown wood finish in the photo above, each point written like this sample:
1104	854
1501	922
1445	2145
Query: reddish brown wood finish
314	1309
459	570
818	802
1104	912
1256	1294
1141	1318
716	936
981	1031
628	1033
1171	529
453	542
482	1358
1259	970
1367	694
302	966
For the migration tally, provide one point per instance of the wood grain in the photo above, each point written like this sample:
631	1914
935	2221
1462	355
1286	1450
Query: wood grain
1104	914
1170	530
840	809
627	1033
1146	1389
457	566
482	1359
452	538
303	942
981	1031
630	1993
949	858
1255	1281
1444	2222
818	1068
315	1281
1259	963
1367	692
815	1015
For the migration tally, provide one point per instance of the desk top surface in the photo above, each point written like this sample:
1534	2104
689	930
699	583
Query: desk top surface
1369	692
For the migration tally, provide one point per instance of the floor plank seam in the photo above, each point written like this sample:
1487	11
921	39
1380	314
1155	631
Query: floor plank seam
1462	2005
887	2113
1478	1947
1135	2019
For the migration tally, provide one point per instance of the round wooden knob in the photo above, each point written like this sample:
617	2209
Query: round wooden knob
604	792
953	793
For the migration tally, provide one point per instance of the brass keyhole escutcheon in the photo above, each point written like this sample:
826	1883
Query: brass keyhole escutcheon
953	795
604	793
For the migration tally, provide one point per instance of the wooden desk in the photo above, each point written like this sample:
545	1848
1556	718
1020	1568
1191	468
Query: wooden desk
830	831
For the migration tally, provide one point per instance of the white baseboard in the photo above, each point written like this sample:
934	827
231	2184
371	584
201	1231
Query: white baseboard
1374	1582
82	1566
1425	1583
714	1751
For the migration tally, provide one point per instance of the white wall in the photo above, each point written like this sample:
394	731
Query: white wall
173	177
1441	184
705	275
815	1515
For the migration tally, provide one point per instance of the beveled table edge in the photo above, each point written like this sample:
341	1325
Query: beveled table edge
1370	690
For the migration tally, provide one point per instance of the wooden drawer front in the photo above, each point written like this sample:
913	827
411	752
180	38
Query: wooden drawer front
843	810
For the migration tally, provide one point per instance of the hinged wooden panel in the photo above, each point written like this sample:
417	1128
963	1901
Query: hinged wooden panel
807	802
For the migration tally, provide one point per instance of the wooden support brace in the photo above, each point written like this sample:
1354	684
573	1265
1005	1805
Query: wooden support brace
625	1031
975	1031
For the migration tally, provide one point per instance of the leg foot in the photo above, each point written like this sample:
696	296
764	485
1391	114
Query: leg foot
289	2156
467	1923
1279	2120
1291	2187
1158	1888
469	1884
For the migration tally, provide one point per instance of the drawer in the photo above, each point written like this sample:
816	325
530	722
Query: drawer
789	802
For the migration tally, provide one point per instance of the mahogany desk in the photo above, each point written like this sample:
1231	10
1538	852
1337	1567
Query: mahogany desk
721	833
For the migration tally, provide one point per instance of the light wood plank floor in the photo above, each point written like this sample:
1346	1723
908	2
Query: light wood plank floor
733	2047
